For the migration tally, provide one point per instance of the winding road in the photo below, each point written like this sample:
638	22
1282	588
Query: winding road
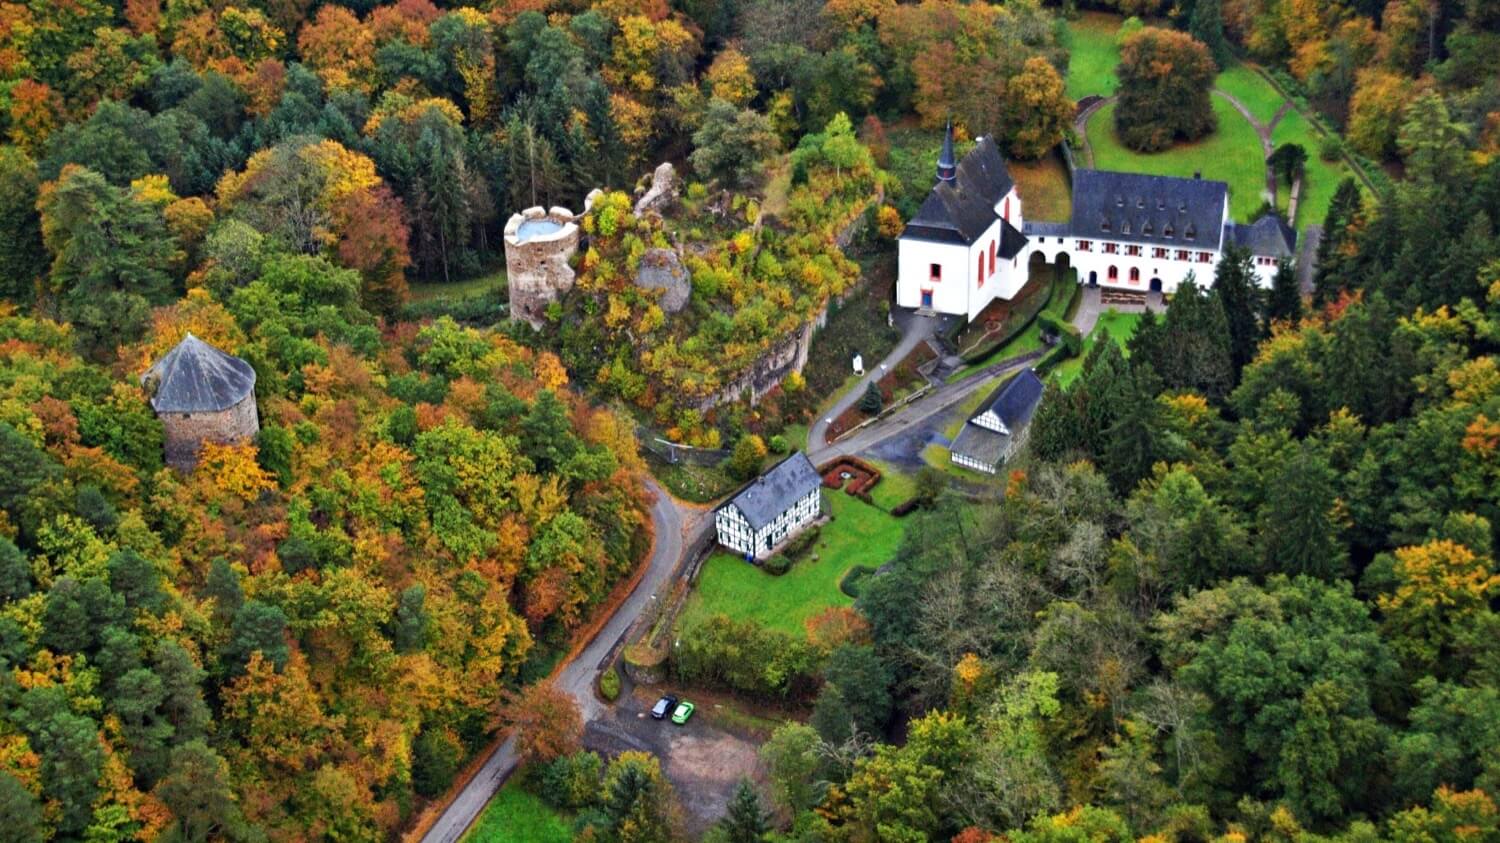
577	677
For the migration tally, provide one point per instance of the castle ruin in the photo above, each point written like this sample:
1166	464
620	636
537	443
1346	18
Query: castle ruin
539	246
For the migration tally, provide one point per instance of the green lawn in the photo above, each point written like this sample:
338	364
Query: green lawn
515	816
1320	179
458	290
1093	55
1044	188
894	487
859	534
1121	328
1231	154
1252	89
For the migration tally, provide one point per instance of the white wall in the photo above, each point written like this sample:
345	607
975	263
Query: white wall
961	291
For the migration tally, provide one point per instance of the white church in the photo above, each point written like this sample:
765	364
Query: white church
970	243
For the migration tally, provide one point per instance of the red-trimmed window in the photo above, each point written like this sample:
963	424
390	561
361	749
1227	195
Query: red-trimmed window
981	267
1111	248
1005	212
1114	273
1204	257
1158	253
1182	254
994	250
1135	275
1133	251
1085	245
935	272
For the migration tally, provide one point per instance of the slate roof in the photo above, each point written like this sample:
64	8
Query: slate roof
1268	236
1015	402
1143	209
195	377
774	492
963	210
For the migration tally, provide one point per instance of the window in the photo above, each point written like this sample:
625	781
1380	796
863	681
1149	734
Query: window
1135	275
935	272
992	257
1182	254
1085	245
1191	233
1204	257
1146	228
1158	253
1134	251
1114	273
981	267
1140	202
1125	229
1005	213
1104	226
1167	230
1111	248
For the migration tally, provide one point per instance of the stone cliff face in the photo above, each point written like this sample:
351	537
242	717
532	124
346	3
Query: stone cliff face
785	356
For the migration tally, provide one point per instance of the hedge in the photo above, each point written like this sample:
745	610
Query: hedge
777	565
801	543
609	685
1063	330
853	578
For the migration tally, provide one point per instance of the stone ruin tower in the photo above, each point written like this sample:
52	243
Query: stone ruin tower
201	394
538	247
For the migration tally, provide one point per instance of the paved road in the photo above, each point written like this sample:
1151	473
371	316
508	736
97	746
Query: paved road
578	676
917	330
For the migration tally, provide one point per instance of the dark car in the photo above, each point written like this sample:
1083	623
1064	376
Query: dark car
663	707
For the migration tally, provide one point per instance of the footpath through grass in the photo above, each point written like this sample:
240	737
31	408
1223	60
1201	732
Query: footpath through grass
859	534
516	816
1320	179
1231	154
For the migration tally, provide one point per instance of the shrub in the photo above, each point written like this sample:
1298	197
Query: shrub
747	657
871	402
800	544
1330	149
570	782
906	507
778	444
853	581
436	756
777	565
1064	331
609	685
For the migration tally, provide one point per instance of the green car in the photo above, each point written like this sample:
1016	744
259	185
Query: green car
683	712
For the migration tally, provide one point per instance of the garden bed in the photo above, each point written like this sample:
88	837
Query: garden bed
855	476
1002	319
893	385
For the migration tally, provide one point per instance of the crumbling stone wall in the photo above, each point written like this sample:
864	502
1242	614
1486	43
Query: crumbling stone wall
785	356
185	433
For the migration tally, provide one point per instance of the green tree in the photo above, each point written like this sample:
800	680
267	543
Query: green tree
637	799
1236	291
1206	24
135	578
15	572
1338	233
436	757
111	256
23	257
792	760
1287	160
863	682
1285	302
1165	77
258	627
410	625
745	459
746	820
870	402
198	792
20	812
732	144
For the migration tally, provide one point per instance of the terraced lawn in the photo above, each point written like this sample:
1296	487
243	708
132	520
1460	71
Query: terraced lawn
1231	154
859	534
1121	328
1093	55
516	816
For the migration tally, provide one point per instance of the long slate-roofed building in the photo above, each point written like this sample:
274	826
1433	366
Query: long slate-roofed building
970	243
771	509
201	394
998	430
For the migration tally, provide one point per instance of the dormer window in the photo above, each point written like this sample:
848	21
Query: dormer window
1181	207
1191	233
1146	229
1161	204
1167	230
1125	229
1104	225
1140	202
1119	201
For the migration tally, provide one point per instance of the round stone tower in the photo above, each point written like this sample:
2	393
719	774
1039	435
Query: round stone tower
538	246
201	394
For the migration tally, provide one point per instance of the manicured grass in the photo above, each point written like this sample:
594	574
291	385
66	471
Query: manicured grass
894	487
458	290
1121	328
1320	179
859	534
515	816
1093	55
1043	185
966	408
1231	154
942	459
1252	89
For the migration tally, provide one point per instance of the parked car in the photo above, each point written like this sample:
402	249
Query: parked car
683	712
663	707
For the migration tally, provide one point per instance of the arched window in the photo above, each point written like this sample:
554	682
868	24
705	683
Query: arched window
992	257
981	267
1114	273
1135	274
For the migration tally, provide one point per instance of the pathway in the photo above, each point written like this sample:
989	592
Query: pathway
1080	127
918	329
1307	258
577	677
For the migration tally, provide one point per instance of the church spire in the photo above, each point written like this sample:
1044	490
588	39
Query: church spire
947	166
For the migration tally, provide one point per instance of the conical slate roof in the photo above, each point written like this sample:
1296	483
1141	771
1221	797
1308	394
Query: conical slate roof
195	377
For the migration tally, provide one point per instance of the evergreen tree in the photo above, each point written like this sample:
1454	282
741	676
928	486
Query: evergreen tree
1298	533
1236	292
1190	347
20	812
259	627
745	821
23	259
1054	430
871	401
1343	213
409	632
1207	25
1285	301
224	587
15	573
1129	446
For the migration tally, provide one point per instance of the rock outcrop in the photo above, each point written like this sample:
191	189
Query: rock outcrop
662	269
663	190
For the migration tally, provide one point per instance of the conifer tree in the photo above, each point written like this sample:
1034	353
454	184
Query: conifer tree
746	820
1285	301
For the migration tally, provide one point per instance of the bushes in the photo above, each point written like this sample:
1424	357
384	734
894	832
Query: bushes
569	782
854	580
802	542
609	685
903	509
746	657
777	565
1064	331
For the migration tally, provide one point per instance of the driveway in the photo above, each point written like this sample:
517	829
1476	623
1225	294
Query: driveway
577	676
916	330
703	762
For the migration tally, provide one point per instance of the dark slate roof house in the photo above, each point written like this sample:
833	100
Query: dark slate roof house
961	207
1154	210
994	433
765	498
1268	236
195	377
